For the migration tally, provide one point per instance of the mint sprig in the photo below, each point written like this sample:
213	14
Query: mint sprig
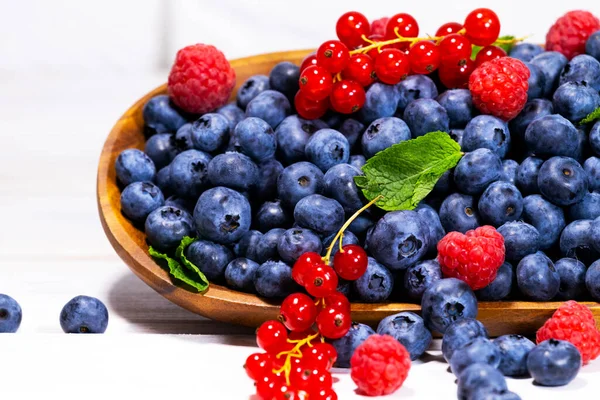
183	270
593	116
405	173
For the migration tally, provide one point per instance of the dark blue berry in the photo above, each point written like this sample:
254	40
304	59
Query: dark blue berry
211	258
326	148
298	181
266	248
527	175
552	135
514	350
352	130
163	180
233	113
247	245
376	285
501	202
166	226
139	199
292	135
551	63
284	78
239	274
357	161
319	213
346	345
296	241
575	100
361	224
183	138
426	115
587	208
181	203
431	220
476	170
479	380
266	186
592	168
409	329
189	173
383	133
576	241
500	287
547	218
270	106
210	132
534	109
251	88
525	51
447	301
274	279
457	135
381	101
461	333
415	87
10	314
487	132
592	280
134	165
582	69
459	106
537	278
459	213
339	185
536	81
271	215
161	115
554	363
479	350
563	181
592	45
255	138
572	278
162	149
233	170
520	239
509	171
84	314
421	276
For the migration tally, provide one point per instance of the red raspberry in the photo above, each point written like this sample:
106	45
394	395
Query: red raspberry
378	26
379	365
574	323
201	79
474	257
570	32
499	87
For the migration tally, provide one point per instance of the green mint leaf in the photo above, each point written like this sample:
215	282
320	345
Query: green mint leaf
593	116
474	51
180	273
506	46
179	253
406	172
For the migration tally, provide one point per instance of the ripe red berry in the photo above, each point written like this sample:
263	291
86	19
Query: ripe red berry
333	323
489	53
309	109
309	60
311	380
455	76
283	391
360	69
351	262
347	97
374	53
448	28
351	27
316	83
392	66
401	25
570	32
321	281
337	300
482	26
320	356
258	365
272	336
327	394
424	57
298	312
333	55
304	264
455	49
266	386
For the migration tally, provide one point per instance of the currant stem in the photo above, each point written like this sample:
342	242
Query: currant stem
340	243
293	353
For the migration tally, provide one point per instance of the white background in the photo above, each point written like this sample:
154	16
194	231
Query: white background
68	69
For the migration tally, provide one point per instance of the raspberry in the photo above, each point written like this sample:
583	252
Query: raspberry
378	26
570	32
474	257
499	87
379	365
574	323
201	79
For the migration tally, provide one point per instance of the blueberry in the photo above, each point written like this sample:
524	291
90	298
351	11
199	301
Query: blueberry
361	224
444	185
352	130
166	226
551	63
181	203
421	276
563	181
459	213
536	81
270	106
527	175
183	138
592	168
211	258
298	181
357	161
271	215
344	287
426	115
596	233
583	144
383	133
222	215
576	241
447	301
509	171
587	208
333	119
326	148
233	170
479	380
493	395
537	278
431	220
554	363
572	278
575	100
457	135
292	135
133	165
239	274
459	106
582	69
319	213
520	239
84	314
10	314
255	138
251	88
547	218
400	239
501	202
409	329
381	101
266	248
346	345
461	333
274	279
476	170
525	51
296	241
534	109
500	287
339	185
247	245
347	238
209	132
552	135
139	199
376	284
161	115
592	280
233	113
163	180
189	173
595	138
415	87
514	350
488	132
592	45
284	78
479	351
161	149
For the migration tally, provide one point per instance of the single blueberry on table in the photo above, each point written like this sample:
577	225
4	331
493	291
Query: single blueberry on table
266	248
587	208
520	239
552	135
525	51
284	78
457	135
592	280
319	213
189	173
273	279
166	226
478	380
251	88
271	214
592	45
527	175
514	350
381	101
352	130
255	138
84	314
298	181
347	238
476	170
551	63
246	246
181	203
326	148
383	133
346	345
233	170
572	278
270	106
421	276
563	181
554	363
461	333
183	138
162	149
266	186
296	241
479	351
134	165
487	132
576	241
459	106
582	69
210	132
163	180
459	213
501	202
211	258
292	135
357	161
500	287
415	87
432	222
575	100
222	215
239	274
534	109
537	278
447	301
509	171
161	115
536	81
409	329
376	284
10	314
426	115
340	186
233	113
139	199
547	218
592	168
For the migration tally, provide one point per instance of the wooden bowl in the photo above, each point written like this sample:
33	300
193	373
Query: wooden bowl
223	304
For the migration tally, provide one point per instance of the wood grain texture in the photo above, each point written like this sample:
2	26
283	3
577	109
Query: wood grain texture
221	303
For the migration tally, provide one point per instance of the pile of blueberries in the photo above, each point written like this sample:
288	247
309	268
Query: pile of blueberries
259	186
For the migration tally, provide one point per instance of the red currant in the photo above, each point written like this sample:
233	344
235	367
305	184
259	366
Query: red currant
360	70
333	323
272	337
347	97
304	335
258	365
304	264
326	394
320	355
333	55
309	109
482	26
489	53
455	76
374	53
283	391
321	281
309	60
392	66
424	57
337	300
351	262
455	49
316	83
298	312
311	380
351	27
266	386
404	24
448	28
